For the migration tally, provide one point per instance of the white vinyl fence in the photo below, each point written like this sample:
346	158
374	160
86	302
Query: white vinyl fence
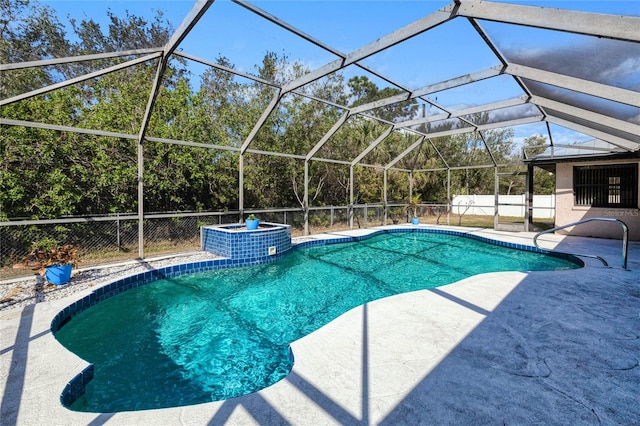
510	205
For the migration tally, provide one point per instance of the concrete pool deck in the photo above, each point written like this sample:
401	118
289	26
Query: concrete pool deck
501	348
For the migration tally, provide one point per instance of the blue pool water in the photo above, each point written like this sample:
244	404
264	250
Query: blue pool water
216	335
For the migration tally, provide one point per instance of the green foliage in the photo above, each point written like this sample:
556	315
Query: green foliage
47	174
364	91
543	181
413	204
28	32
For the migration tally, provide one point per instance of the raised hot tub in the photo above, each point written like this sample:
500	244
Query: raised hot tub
247	247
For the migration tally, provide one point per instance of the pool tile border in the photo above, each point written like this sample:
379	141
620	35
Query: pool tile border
75	388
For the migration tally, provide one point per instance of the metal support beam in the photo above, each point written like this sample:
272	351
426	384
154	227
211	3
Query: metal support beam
226	69
404	153
448	196
483	166
263	118
194	15
549	134
496	51
486	146
384	196
351	212
256	79
410	183
520	100
275	154
332	161
579	147
410	188
80	58
79	79
196	12
241	186
528	190
143	129
417	27
140	150
187	24
607	137
439	155
140	177
604	91
328	135
398	36
299	33
458	81
510	123
32	124
583	114
279	22
433	88
496	196
380	103
593	24
507	103
306	198
372	145
489	126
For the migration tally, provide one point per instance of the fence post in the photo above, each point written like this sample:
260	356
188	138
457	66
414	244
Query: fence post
331	215
118	231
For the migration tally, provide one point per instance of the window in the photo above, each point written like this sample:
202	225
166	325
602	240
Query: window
613	185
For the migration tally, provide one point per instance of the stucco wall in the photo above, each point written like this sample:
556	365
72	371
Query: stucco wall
567	212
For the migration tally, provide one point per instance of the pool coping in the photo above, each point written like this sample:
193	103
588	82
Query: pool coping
48	366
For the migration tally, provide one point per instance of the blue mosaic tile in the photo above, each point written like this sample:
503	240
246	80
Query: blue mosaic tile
87	374
75	388
233	243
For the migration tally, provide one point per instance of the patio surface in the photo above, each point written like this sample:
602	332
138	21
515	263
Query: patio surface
501	348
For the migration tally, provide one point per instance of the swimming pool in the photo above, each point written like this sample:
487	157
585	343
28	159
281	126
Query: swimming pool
215	335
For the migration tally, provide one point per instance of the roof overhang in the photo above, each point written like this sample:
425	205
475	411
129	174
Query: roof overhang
549	163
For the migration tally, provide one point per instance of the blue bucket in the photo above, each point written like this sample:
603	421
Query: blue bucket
252	223
58	274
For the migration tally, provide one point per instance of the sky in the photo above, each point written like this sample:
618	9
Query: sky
448	51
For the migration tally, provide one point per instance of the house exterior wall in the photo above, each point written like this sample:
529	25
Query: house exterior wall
567	212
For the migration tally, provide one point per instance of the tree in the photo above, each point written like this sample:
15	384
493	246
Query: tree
543	180
364	91
29	32
293	127
46	173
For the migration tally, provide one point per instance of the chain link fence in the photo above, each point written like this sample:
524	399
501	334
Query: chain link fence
102	240
109	239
